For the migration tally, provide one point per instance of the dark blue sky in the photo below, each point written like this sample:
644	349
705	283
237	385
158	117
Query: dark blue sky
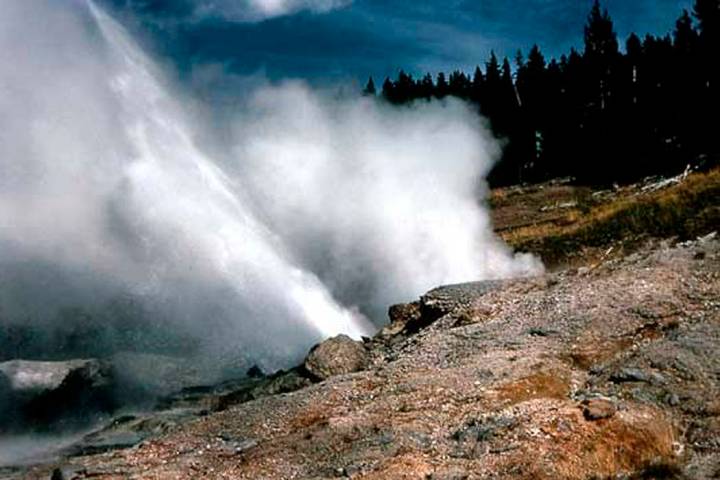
379	37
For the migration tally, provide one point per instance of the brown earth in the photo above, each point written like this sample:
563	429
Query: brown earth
491	380
495	388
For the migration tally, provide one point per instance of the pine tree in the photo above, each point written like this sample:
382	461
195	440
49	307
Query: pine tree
632	70
441	86
458	85
658	118
489	102
633	46
492	71
588	115
388	90
510	98
478	81
685	37
533	93
404	87
600	38
426	87
370	89
601	55
707	13
551	123
685	82
531	79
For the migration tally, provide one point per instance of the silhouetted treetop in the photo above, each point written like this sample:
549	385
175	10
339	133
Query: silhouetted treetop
370	89
601	115
600	37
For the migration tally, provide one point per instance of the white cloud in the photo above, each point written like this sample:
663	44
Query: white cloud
258	10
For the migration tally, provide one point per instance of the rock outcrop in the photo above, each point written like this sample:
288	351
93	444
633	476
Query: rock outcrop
598	409
407	319
43	394
610	374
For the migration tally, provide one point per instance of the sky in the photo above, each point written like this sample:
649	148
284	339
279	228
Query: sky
348	40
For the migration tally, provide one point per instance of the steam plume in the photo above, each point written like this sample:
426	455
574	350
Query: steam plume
317	215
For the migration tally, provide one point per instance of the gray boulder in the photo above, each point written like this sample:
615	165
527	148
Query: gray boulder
337	356
42	394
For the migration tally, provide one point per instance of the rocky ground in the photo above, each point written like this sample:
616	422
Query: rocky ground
605	371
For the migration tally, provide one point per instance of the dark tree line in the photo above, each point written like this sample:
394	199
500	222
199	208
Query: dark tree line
601	115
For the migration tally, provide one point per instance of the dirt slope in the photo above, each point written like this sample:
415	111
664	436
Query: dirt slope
576	375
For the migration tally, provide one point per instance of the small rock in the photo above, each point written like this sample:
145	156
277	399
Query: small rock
598	409
504	448
636	375
400	315
449	474
403	316
236	446
629	375
541	332
278	383
386	439
404	312
352	471
483	430
67	473
672	399
336	356
106	441
707	238
465	318
712	409
245	445
283	382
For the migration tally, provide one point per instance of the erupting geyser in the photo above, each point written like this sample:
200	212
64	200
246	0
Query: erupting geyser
318	214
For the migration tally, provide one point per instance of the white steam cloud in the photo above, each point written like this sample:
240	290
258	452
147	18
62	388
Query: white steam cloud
321	213
257	10
382	203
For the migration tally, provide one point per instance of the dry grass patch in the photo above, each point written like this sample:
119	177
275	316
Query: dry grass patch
688	209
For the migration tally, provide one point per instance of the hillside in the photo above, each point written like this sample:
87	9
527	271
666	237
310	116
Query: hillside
606	367
570	226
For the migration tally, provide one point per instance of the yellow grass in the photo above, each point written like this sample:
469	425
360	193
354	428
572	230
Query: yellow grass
689	209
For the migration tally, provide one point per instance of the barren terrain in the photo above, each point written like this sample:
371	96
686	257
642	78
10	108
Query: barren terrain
606	367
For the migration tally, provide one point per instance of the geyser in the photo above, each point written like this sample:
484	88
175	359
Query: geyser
312	219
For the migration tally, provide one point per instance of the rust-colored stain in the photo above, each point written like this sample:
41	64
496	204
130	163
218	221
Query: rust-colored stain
536	386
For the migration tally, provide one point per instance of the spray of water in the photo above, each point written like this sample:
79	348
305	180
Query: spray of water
315	216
